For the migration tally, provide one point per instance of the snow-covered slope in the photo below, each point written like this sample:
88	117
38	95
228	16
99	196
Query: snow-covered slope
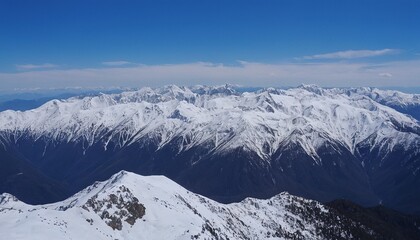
130	206
402	102
317	143
387	97
260	122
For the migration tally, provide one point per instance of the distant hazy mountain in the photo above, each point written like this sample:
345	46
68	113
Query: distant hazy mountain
402	102
30	100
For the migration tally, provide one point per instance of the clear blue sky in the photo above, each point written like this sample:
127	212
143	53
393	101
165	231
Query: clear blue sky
76	35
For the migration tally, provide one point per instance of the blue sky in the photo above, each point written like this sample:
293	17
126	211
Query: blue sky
255	43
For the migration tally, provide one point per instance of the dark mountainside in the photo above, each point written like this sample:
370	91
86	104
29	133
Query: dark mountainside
55	169
389	223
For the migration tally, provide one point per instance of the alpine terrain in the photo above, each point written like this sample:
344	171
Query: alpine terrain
359	144
130	206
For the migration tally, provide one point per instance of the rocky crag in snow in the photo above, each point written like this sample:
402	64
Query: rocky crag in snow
318	143
129	206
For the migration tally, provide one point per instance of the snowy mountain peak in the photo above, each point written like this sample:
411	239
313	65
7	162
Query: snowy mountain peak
311	88
6	198
226	89
218	117
389	97
129	206
223	144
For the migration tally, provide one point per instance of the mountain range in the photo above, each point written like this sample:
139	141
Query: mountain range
360	144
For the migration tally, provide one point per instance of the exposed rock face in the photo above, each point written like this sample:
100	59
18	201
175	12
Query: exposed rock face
114	209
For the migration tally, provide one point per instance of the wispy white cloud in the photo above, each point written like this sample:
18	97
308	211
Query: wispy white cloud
339	74
386	75
35	66
116	63
350	54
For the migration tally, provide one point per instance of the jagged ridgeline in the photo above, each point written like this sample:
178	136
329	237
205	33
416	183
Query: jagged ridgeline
357	144
129	206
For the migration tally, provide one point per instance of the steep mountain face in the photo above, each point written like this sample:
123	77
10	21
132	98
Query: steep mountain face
317	143
391	224
23	179
130	206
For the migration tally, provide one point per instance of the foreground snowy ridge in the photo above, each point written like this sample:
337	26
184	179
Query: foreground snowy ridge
130	206
219	117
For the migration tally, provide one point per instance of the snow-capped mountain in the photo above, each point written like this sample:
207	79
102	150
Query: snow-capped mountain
402	102
318	143
260	122
130	206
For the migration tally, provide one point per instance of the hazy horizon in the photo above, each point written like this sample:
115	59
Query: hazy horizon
103	44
